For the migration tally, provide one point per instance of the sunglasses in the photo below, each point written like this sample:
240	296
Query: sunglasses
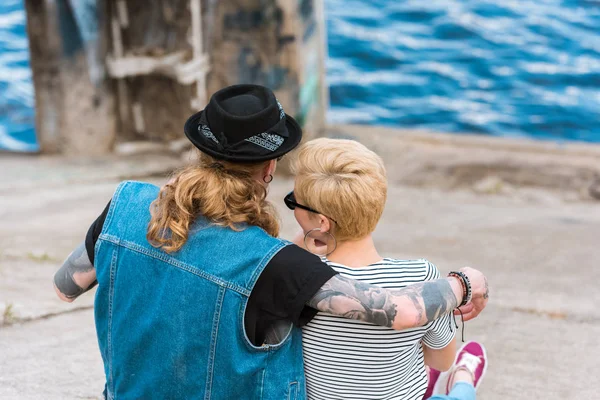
290	202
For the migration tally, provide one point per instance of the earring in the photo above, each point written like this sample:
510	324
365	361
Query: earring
269	177
319	230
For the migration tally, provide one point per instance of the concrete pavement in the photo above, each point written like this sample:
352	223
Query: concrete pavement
539	252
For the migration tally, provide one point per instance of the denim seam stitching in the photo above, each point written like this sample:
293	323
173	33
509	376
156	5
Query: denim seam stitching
111	292
262	383
97	249
176	263
213	345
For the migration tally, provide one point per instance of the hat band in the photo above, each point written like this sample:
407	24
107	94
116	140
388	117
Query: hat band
270	140
267	141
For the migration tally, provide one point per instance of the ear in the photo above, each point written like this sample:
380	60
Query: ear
324	223
270	168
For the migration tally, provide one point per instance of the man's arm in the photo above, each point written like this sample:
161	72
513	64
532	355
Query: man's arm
76	276
409	307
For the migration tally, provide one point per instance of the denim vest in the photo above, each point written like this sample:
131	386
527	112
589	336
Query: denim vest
171	326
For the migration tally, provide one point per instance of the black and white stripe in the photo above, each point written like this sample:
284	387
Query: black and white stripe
348	359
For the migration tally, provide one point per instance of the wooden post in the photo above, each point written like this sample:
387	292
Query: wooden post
143	61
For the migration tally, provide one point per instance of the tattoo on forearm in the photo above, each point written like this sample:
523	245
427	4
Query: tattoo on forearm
438	298
78	262
358	300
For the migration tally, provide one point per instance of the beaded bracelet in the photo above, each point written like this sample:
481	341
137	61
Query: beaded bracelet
466	285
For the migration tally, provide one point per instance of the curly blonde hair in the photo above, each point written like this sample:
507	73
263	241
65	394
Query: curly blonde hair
225	193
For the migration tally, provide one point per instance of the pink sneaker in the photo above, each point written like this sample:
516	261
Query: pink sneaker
471	357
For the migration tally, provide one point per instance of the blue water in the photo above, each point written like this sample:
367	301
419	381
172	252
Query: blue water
17	117
528	68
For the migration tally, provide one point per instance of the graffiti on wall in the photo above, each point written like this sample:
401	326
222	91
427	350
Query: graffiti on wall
306	9
259	61
78	22
260	41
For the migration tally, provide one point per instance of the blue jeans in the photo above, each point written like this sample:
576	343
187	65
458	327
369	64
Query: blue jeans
460	391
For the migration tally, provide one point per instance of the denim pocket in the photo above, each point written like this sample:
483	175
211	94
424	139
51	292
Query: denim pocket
293	391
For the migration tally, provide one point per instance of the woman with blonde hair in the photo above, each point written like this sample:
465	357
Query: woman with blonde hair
348	358
197	297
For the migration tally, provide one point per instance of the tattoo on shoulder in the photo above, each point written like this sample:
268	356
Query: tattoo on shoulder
362	301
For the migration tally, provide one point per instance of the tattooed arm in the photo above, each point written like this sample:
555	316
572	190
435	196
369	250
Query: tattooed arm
409	307
76	276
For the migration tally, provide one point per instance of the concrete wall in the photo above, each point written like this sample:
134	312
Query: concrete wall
74	102
276	43
148	66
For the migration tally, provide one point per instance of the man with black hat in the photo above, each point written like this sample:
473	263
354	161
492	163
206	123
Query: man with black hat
197	297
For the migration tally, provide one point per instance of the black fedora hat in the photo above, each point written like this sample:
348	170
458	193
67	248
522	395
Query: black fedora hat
243	123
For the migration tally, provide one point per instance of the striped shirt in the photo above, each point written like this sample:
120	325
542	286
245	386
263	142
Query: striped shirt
349	359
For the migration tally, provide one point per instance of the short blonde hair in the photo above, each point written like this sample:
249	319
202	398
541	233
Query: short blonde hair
343	180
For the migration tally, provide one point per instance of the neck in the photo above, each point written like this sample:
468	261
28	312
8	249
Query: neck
355	253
